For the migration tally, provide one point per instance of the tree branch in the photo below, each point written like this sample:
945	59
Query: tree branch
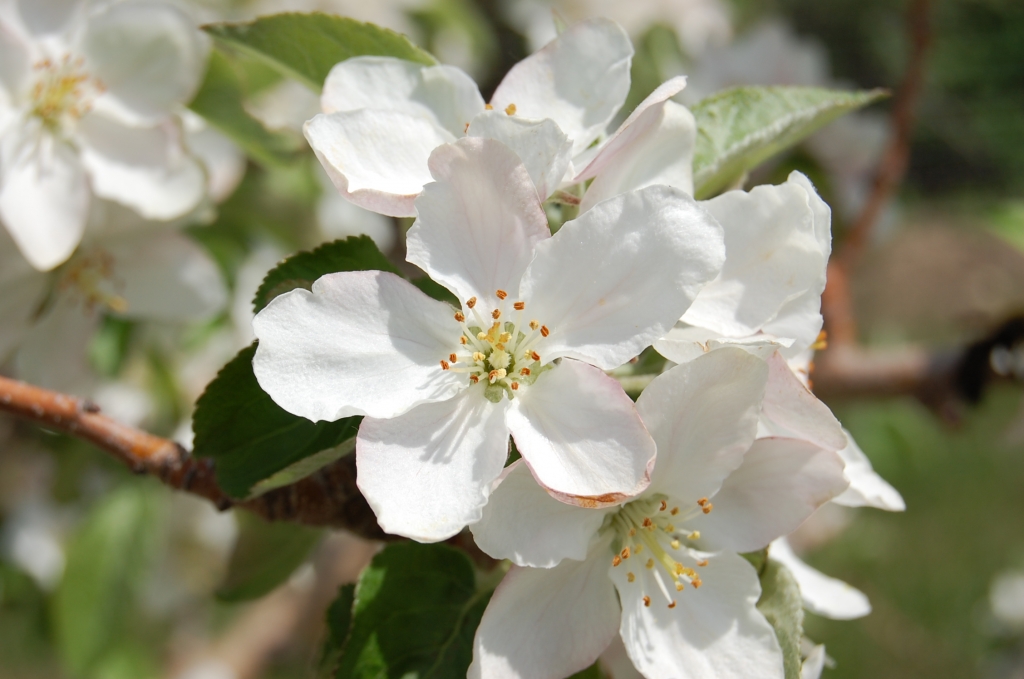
327	498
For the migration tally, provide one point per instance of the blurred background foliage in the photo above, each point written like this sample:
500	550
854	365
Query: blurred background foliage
108	576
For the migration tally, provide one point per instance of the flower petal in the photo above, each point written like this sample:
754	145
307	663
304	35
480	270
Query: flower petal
546	623
581	436
43	17
15	63
149	56
714	632
799	320
791	410
21	292
780	483
814	663
867	488
822	595
443	94
376	159
686	342
703	417
580	80
772	256
479	222
427	473
654	146
44	200
361	343
54	353
612	281
146	169
522	523
163	276
541	145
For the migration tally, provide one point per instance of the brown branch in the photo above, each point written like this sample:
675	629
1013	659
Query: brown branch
327	498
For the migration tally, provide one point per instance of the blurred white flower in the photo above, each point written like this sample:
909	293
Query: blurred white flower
1006	598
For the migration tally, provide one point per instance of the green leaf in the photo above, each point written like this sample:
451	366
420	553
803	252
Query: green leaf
105	563
304	467
251	437
265	555
592	672
307	46
782	605
430	287
339	622
739	128
219	101
355	253
415	613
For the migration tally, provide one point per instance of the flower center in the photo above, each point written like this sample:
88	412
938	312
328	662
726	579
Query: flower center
650	524
63	91
497	348
87	274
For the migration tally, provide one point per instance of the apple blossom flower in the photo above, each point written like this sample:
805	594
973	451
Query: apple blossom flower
541	317
685	603
86	101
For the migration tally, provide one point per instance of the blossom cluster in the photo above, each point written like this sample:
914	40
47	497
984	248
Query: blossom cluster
502	413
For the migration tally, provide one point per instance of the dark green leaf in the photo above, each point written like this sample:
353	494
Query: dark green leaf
739	128
251	437
415	613
339	622
219	101
782	605
265	555
355	253
436	290
592	672
105	563
307	46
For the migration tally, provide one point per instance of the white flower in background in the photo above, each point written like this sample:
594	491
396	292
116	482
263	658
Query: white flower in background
126	267
685	602
442	389
383	116
86	97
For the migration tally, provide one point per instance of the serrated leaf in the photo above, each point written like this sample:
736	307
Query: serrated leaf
307	46
782	605
105	563
219	101
739	128
265	555
252	438
339	622
415	613
355	253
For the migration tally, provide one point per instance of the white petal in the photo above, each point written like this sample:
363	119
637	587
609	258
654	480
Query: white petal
790	409
443	94
427	473
522	523
867	488
581	436
772	256
361	343
686	342
713	632
15	63
580	80
21	292
541	145
616	663
54	353
149	56
163	276
780	483
703	417
479	222
654	146
43	17
814	663
341	218
612	281
799	320
224	161
822	595
377	159
44	200
146	169
546	623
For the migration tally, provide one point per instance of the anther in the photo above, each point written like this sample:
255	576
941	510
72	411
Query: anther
481	335
647	522
663	507
524	372
695	535
462	339
647	601
519	306
534	355
707	508
459	316
534	325
505	337
544	332
477	356
496	314
515	386
703	501
632	532
702	563
510	110
649	564
616	560
630	577
679	587
624	553
471	302
474	379
488	107
696	582
675	510
501	294
672	604
453	358
444	364
675	544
